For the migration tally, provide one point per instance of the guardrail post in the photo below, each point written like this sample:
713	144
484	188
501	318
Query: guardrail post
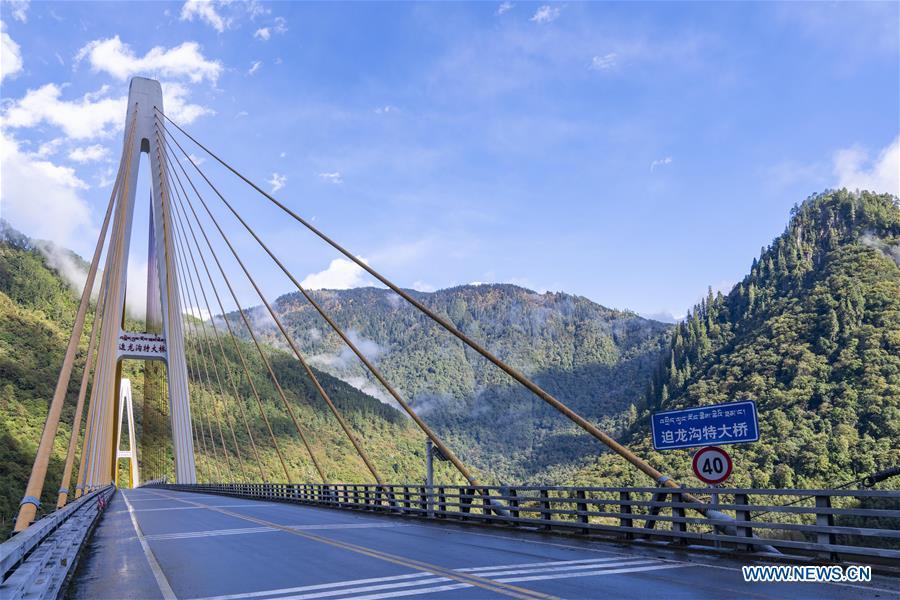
513	502
545	507
625	509
441	503
423	501
678	513
650	523
825	519
582	510
486	505
740	514
465	499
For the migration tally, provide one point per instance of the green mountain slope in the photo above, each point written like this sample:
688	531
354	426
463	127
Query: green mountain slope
812	334
37	309
595	359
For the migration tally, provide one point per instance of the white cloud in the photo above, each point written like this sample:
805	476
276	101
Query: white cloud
18	9
546	14
854	170
197	160
177	106
664	316
205	10
341	274
890	250
603	63
10	54
198	313
48	148
277	181
41	198
88	153
265	33
240	114
660	162
85	118
422	286
106	177
254	67
504	8
387	108
119	60
332	177
64	263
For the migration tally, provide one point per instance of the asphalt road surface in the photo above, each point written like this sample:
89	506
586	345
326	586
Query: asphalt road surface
165	544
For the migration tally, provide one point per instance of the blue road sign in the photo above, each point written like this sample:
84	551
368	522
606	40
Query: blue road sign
714	425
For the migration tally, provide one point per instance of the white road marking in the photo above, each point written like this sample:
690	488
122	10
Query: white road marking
389	587
164	588
265	529
870	588
371	588
445	588
318	586
552	563
434	590
493	574
183	508
590	573
211	533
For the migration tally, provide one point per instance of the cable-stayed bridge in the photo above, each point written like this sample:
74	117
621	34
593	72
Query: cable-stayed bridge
235	527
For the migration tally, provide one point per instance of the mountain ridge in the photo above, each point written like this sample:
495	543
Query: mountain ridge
812	334
592	357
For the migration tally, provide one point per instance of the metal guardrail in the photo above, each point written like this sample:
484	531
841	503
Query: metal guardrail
36	562
825	524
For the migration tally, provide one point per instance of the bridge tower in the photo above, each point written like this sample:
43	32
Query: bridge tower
166	344
126	411
163	341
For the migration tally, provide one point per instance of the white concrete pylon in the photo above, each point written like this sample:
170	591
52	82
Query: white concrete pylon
126	405
144	98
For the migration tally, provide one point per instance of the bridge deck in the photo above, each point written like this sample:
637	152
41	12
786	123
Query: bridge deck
154	543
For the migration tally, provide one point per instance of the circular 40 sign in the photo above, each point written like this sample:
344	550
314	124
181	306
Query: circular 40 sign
712	465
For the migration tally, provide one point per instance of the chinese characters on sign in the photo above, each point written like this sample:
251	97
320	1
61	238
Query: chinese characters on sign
141	345
732	423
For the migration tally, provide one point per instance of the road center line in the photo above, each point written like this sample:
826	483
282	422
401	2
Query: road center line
500	588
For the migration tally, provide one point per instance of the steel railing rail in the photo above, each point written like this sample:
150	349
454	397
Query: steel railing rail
49	543
629	513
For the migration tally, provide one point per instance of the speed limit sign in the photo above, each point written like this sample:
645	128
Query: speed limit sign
712	465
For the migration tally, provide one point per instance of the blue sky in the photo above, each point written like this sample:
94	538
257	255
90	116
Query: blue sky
633	153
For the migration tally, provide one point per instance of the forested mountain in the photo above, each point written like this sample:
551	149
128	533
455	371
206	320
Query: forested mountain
596	359
37	309
812	334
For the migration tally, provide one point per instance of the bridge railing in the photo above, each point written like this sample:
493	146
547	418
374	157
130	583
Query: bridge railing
36	562
823	523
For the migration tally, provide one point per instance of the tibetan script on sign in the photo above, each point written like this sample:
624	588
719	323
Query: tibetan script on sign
141	345
732	423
